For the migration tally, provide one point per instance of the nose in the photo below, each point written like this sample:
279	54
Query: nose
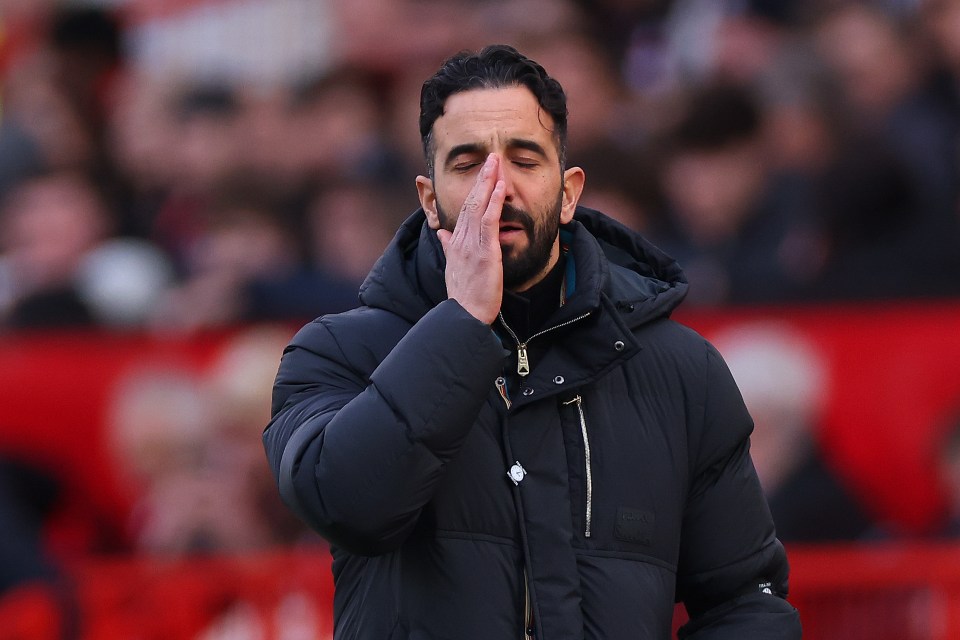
505	174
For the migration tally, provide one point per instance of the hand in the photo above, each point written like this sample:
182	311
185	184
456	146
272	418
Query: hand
474	272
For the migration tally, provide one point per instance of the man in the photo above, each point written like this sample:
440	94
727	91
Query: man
509	438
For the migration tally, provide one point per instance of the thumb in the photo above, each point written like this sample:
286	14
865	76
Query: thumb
444	236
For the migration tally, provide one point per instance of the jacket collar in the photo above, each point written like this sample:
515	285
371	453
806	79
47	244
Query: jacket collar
614	266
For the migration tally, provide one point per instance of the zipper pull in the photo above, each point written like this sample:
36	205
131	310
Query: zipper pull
523	363
501	384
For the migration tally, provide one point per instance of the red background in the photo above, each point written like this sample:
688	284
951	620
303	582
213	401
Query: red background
895	372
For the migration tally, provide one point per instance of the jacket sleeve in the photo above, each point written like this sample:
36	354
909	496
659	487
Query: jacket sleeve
733	571
357	458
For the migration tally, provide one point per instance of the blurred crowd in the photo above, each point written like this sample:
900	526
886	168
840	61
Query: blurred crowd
180	166
177	166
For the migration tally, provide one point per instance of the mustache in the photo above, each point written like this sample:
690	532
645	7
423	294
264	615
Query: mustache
509	213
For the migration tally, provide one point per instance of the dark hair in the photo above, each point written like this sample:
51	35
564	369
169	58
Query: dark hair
494	67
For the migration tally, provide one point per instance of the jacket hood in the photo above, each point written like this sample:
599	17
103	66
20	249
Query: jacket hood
641	280
612	262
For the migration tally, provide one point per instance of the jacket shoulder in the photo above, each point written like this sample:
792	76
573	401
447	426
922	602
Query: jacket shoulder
331	347
717	418
356	334
671	338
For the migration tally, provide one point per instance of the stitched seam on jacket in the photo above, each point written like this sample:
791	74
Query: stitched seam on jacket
448	534
759	552
628	555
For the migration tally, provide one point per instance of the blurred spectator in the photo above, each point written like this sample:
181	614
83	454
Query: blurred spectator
784	385
142	138
28	494
940	22
161	433
57	266
252	43
48	225
30	579
207	127
250	264
621	183
187	441
386	36
36	107
157	422
57	91
351	222
727	220
602	113
894	191
239	386
240	241
85	43
941	32
746	43
948	470
633	32
333	128
662	44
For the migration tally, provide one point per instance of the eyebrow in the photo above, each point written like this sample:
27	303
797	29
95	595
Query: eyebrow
529	145
469	148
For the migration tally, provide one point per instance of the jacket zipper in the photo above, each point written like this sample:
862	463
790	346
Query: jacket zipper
523	361
588	517
527	609
523	369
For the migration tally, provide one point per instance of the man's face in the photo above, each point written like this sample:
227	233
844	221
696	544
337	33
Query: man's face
539	197
527	241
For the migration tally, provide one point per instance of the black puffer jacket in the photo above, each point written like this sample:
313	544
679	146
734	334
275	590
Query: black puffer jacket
627	445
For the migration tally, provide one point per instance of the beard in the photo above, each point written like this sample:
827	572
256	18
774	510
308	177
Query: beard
520	265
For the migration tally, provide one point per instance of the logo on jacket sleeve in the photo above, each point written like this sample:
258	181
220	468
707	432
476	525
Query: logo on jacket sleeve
635	525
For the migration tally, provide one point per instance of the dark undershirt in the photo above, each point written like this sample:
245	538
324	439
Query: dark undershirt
527	312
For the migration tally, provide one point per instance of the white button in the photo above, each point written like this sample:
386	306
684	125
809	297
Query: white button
528	391
558	380
516	473
618	345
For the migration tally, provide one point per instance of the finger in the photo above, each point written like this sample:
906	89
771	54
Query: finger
476	202
444	236
490	222
494	208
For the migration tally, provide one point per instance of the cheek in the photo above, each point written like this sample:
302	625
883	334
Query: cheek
450	198
446	214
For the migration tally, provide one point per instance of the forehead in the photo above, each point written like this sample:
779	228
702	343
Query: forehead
489	116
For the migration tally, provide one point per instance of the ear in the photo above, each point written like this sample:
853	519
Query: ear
428	200
573	179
